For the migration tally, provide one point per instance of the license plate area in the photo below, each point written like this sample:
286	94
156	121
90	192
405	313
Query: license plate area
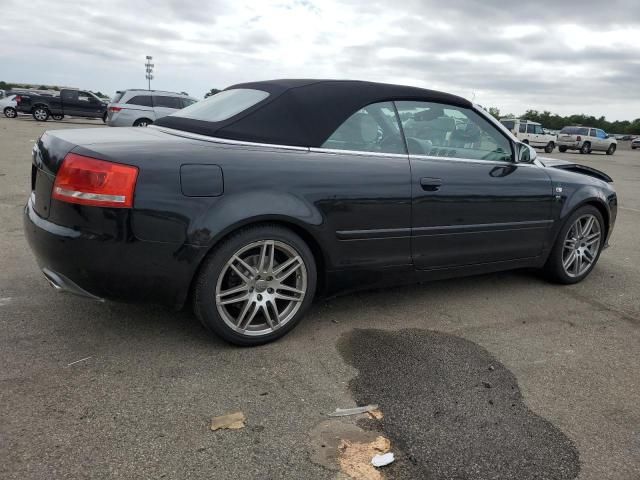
42	185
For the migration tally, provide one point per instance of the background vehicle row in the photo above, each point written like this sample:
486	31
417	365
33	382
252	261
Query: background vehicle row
139	108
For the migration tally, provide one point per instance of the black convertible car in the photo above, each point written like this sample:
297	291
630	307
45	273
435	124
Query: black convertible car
252	202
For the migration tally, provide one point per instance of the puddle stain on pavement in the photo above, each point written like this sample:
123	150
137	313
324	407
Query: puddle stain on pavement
452	409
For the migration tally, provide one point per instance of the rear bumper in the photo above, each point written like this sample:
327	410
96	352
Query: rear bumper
569	145
121	268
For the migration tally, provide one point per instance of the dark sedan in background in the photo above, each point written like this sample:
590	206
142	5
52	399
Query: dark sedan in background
250	203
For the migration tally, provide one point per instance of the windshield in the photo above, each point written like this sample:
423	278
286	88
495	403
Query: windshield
223	105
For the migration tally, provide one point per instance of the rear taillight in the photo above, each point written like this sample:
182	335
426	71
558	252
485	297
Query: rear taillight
89	181
579	138
115	109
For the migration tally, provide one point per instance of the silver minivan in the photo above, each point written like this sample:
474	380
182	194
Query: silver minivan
139	108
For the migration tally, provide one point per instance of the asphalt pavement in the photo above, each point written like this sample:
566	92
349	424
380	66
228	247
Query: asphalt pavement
499	376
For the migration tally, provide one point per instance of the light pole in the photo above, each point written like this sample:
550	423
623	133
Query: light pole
149	66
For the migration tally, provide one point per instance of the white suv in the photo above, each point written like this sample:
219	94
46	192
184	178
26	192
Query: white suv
139	108
530	133
586	139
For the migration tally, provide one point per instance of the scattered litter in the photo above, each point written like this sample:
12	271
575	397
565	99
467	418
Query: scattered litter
231	421
78	361
382	460
375	414
4	301
343	412
486	384
355	458
491	368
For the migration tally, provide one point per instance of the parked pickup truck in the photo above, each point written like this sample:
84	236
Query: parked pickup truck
70	102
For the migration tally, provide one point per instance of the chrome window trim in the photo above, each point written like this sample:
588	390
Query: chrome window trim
361	153
197	136
502	163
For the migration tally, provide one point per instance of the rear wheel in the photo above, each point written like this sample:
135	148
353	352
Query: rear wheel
104	117
526	142
549	148
562	148
611	150
57	117
10	112
577	247
41	114
256	286
586	148
142	122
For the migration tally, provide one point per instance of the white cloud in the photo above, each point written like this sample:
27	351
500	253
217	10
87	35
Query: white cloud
541	55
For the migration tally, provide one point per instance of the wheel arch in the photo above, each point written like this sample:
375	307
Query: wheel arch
290	223
594	199
38	105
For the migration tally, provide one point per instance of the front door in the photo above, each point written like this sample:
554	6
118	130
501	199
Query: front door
471	203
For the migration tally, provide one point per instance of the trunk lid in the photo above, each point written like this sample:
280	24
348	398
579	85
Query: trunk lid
102	143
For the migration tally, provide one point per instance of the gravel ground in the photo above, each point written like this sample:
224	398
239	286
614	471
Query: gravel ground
138	402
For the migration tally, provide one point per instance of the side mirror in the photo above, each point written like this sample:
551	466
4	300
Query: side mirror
526	153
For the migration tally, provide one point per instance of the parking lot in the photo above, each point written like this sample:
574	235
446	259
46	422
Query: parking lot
495	376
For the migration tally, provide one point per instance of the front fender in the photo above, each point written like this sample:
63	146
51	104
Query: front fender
605	201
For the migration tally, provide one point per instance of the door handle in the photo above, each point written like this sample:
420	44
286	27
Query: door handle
430	184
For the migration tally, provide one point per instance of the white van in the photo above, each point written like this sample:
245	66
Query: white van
531	133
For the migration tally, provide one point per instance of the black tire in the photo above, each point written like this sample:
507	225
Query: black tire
553	267
104	117
204	293
10	112
612	149
57	117
526	142
549	148
40	113
142	122
586	148
562	148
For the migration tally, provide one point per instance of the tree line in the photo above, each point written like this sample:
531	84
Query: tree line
554	121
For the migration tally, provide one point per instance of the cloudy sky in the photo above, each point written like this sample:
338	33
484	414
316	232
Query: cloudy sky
567	57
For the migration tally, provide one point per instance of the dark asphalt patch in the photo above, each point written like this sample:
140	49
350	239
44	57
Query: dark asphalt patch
453	409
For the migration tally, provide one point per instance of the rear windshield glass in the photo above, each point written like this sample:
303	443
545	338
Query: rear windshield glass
509	124
575	131
116	98
223	105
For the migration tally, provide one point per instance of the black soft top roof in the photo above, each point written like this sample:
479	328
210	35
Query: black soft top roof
304	112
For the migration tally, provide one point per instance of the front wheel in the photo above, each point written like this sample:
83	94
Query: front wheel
549	148
41	114
577	247
256	286
562	148
611	150
10	112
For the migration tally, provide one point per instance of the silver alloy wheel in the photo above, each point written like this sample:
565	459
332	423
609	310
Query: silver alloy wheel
40	114
142	123
581	245
10	112
261	287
